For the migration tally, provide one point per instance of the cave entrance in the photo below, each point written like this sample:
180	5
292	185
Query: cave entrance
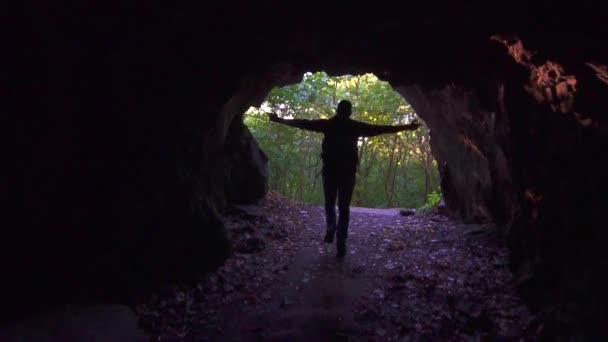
395	170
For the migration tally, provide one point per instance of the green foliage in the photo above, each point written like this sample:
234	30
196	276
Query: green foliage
395	170
433	200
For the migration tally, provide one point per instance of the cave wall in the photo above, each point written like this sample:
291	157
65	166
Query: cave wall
245	168
471	148
525	153
559	133
128	141
245	165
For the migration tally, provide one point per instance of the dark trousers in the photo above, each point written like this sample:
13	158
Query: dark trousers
338	183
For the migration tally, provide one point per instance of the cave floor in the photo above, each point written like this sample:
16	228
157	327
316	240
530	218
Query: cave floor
409	278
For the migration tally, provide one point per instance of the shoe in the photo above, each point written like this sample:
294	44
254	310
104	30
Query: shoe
329	236
341	247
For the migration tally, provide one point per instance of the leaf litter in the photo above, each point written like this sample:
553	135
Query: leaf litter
412	278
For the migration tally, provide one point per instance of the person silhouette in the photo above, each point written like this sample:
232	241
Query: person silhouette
340	159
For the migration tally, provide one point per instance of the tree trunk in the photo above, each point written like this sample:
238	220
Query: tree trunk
394	176
426	183
389	170
361	176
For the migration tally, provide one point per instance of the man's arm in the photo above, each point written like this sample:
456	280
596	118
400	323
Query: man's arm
369	130
309	125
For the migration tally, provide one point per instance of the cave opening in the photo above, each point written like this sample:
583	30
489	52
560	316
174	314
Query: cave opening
130	146
281	261
393	170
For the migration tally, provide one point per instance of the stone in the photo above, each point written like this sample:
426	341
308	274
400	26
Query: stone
248	210
250	244
407	212
246	167
442	208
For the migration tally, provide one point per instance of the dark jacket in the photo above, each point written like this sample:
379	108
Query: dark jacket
339	148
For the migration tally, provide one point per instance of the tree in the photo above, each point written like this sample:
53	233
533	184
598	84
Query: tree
394	170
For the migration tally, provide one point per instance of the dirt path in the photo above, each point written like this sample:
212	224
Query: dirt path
403	278
375	211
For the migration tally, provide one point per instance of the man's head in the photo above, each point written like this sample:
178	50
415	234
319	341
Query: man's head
344	109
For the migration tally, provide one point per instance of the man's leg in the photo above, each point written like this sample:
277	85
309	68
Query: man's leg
330	190
345	194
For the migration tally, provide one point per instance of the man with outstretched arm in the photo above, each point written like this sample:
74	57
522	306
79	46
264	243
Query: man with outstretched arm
340	158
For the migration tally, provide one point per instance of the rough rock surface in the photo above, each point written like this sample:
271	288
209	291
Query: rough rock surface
246	167
117	153
471	147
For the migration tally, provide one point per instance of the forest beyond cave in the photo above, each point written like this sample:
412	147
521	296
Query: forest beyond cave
394	170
